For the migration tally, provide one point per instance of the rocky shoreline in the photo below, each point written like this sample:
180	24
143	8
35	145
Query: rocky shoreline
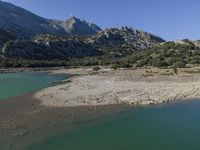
130	87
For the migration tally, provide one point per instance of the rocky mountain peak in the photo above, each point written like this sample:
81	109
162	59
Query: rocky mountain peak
125	35
74	25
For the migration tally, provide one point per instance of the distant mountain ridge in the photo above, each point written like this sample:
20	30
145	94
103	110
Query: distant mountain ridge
24	35
29	38
125	36
64	39
25	24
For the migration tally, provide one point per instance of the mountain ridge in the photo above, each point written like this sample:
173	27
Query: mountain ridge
26	24
128	35
26	36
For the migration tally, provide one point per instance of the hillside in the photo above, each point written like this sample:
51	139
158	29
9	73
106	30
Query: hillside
5	36
26	25
125	35
124	40
175	53
167	54
48	47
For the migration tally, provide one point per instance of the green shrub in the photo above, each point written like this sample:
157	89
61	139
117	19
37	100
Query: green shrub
96	68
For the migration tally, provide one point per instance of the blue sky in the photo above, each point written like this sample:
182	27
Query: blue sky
170	19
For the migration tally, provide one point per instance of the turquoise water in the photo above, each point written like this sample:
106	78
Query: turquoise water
15	84
170	127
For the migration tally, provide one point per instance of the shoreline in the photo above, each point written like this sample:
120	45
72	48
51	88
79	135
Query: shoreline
25	117
22	118
129	87
24	69
39	69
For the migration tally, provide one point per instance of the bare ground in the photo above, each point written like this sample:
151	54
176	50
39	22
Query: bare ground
137	87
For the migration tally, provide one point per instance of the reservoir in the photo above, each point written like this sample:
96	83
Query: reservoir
172	126
15	84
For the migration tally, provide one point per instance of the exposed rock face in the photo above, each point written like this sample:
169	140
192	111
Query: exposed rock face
125	36
76	26
188	42
47	49
197	43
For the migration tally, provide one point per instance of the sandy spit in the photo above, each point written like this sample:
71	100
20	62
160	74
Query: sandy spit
119	87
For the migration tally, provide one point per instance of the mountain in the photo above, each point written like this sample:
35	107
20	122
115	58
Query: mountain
48	47
125	35
124	39
115	41
75	26
26	36
26	25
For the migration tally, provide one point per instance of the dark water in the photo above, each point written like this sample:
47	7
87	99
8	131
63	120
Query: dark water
15	84
169	127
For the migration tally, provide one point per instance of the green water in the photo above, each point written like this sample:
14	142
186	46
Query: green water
169	127
15	84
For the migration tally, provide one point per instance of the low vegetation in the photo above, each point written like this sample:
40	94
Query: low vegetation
166	55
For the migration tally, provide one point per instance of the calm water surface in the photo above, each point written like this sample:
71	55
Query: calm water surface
170	127
15	84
